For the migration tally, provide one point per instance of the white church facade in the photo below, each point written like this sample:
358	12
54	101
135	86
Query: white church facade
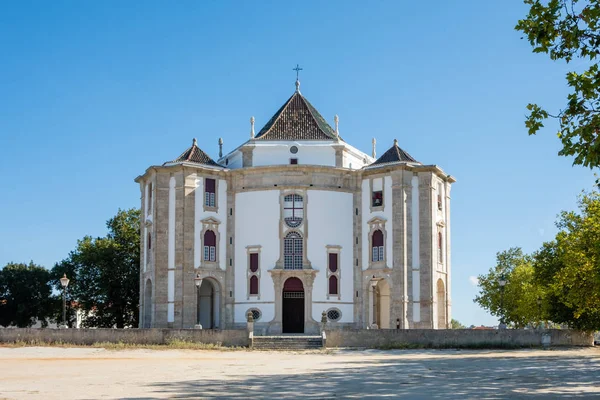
292	223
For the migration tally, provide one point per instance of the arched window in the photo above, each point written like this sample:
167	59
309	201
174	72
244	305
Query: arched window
377	243
333	285
440	252
293	210
292	251
254	285
210	246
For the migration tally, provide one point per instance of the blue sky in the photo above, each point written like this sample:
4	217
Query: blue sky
92	93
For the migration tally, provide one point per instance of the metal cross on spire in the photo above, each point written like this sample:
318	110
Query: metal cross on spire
297	69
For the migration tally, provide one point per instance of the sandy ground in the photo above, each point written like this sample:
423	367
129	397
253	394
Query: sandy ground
88	373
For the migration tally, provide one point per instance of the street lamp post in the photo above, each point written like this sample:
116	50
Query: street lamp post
198	282
539	303
502	283
374	304
64	282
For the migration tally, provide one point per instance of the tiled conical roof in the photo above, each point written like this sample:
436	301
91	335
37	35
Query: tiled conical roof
195	154
395	154
297	119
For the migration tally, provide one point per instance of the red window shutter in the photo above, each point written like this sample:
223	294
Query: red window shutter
333	262
333	285
253	284
377	238
210	239
210	185
254	262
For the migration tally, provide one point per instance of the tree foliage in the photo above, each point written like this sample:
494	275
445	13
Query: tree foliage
25	295
568	268
455	324
517	303
104	274
559	283
567	30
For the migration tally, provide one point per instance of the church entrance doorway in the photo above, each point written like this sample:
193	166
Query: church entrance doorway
208	304
293	306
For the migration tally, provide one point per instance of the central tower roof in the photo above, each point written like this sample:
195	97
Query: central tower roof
297	119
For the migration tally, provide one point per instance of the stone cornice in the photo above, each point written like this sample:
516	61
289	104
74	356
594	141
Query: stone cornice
299	170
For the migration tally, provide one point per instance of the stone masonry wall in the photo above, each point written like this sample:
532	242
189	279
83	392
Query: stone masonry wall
451	338
131	336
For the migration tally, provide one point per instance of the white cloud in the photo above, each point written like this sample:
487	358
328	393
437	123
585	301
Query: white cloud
474	281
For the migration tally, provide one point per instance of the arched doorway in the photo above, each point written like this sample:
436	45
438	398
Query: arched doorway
148	304
380	314
293	306
441	305
208	304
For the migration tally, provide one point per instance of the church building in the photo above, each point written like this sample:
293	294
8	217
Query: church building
292	223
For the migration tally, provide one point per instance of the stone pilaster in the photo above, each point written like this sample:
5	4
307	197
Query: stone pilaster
143	212
399	238
339	155
247	152
179	247
161	243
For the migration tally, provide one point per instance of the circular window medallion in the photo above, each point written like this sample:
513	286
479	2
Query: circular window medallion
256	314
333	314
293	149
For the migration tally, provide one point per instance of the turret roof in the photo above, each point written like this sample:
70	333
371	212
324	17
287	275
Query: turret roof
394	154
194	154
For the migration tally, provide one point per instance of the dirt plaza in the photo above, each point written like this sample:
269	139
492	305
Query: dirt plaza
96	373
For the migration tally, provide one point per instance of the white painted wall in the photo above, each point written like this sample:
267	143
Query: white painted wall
267	310
330	222
309	153
257	223
346	309
385	214
235	160
220	215
353	161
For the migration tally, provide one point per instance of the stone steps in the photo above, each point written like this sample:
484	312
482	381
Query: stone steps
287	342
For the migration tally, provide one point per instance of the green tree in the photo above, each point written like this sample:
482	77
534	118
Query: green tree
516	303
104	274
25	295
567	30
568	268
456	324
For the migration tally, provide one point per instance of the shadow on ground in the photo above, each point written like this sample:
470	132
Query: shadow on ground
457	375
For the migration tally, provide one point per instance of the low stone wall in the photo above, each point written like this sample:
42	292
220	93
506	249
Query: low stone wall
456	338
133	336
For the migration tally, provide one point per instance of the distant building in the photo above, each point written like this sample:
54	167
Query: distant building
291	223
